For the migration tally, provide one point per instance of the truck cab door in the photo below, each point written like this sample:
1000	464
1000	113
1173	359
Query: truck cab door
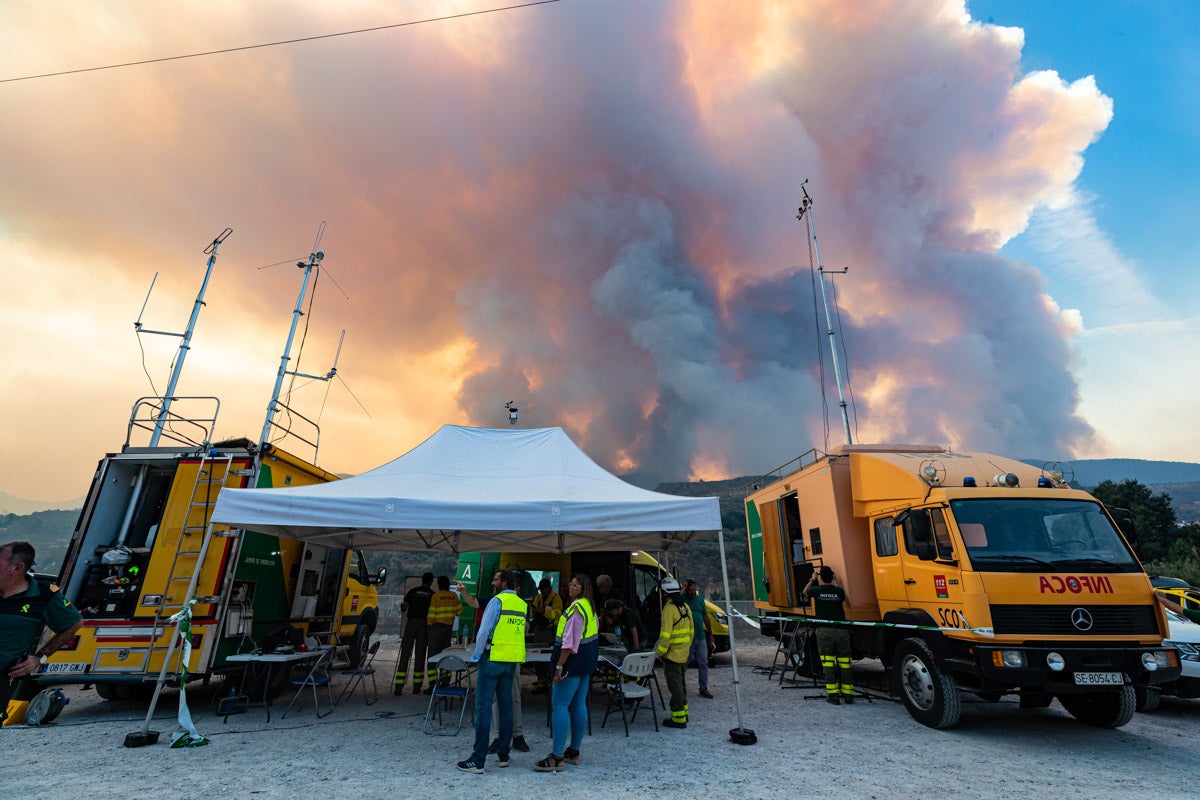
930	571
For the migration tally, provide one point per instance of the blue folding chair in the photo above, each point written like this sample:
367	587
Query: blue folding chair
317	677
453	683
359	675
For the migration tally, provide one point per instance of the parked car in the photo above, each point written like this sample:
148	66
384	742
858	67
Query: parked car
1185	637
1187	598
1166	582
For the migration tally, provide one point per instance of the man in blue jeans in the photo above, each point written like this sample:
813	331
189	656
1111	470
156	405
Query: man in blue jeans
702	639
499	651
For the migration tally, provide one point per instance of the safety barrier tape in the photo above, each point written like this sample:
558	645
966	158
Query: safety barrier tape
988	632
186	735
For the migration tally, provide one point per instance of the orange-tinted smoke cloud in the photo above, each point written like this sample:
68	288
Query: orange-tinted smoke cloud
589	209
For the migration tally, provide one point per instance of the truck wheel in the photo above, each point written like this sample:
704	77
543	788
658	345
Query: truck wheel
135	692
1102	709
1148	698
360	642
108	691
930	695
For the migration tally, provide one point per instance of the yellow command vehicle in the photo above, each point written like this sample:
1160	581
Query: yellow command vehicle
991	576
143	548
636	574
137	544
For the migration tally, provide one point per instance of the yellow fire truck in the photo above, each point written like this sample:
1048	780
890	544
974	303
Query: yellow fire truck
963	572
138	543
143	547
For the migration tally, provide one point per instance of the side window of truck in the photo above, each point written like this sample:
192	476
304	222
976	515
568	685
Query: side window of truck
918	535
885	537
358	568
941	534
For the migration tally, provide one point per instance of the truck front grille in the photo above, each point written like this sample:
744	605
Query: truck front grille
1056	620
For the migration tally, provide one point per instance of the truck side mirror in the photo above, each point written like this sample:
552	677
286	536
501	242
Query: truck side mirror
380	576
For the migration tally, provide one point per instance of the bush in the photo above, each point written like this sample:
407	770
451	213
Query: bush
1186	569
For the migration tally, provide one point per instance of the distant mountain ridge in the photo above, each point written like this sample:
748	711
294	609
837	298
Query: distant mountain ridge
1089	472
18	505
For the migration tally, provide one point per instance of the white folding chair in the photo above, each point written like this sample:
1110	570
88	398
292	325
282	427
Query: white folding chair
318	676
452	682
359	675
629	685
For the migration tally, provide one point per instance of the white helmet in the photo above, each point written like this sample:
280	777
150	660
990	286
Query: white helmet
670	585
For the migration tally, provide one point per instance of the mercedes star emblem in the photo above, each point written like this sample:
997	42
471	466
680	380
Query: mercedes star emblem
1081	618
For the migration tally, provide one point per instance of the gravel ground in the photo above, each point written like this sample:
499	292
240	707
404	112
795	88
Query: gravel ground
805	746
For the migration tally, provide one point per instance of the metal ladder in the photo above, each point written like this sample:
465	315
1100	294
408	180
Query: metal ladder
190	549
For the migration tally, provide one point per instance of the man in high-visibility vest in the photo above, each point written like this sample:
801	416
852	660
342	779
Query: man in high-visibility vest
444	606
674	642
499	651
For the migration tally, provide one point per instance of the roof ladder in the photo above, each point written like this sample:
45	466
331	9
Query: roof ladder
192	545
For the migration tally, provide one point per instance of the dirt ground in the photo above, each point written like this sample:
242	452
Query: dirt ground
805	747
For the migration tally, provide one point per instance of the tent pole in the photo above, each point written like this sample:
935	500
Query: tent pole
740	734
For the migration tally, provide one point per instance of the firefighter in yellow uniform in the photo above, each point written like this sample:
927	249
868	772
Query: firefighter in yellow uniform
674	642
444	606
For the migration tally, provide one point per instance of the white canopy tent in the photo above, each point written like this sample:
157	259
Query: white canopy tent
469	489
480	489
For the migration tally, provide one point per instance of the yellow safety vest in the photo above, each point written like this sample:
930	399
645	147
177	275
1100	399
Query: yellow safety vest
508	637
591	624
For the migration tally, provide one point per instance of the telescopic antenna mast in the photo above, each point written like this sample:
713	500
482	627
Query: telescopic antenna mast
185	342
805	215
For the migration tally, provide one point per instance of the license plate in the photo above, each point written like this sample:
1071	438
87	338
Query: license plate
1099	679
58	668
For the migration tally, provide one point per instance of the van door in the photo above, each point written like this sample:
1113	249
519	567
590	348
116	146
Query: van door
931	574
317	583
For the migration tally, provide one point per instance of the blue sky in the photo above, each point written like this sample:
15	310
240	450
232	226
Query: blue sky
1143	170
1138	184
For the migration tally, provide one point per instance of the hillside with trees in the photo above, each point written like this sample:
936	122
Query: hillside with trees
1166	519
48	531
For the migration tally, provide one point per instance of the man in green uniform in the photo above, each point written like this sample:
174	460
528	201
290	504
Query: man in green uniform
416	635
26	604
833	641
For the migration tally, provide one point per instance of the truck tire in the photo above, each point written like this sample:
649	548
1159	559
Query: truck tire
360	642
1102	709
108	691
135	692
930	695
1148	698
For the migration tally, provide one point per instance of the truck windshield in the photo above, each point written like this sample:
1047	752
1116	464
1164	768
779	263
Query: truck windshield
1025	534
